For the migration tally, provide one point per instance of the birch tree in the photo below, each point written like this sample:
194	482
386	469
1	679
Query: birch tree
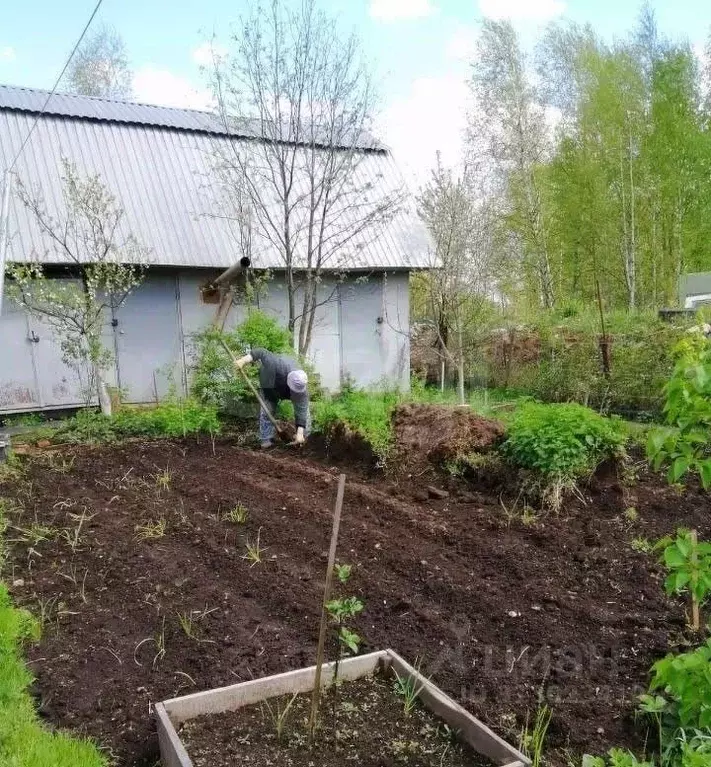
510	125
103	266
302	91
458	290
100	67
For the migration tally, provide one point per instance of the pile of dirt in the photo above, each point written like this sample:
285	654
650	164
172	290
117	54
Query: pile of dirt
433	434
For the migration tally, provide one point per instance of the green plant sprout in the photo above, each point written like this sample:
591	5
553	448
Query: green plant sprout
188	623
533	740
254	551
151	530
159	641
408	688
73	537
341	611
343	572
689	564
641	545
279	714
163	479
238	514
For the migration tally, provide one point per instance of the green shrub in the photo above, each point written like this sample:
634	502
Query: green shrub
557	358
214	380
24	742
365	413
173	418
679	701
561	441
685	445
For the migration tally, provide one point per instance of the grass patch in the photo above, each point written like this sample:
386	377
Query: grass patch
367	414
24	742
173	418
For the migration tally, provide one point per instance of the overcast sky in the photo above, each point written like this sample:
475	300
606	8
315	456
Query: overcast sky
419	50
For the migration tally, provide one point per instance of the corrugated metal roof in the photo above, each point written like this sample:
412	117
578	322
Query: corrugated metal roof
163	177
110	110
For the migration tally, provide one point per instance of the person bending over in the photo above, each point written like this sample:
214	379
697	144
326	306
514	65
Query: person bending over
280	377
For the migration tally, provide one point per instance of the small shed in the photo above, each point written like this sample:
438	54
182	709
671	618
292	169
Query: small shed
156	161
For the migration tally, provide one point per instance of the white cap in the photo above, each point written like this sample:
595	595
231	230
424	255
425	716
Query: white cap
297	381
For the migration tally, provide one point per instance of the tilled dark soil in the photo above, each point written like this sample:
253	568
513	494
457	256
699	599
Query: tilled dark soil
500	613
361	722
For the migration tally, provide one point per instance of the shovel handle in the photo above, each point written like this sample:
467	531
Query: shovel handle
256	393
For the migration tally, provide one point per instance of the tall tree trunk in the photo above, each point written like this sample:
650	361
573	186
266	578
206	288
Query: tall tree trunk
633	235
309	313
460	366
104	399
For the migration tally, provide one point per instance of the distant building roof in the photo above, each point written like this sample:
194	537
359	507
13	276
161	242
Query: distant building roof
159	163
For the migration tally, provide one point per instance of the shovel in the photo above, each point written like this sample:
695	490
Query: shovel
283	435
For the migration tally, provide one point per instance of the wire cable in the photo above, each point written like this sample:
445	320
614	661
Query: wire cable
56	85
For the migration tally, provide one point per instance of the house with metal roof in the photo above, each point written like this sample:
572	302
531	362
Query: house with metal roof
158	163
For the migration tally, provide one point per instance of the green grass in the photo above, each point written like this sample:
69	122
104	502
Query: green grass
172	418
24	742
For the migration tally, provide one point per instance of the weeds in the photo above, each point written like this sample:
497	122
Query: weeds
279	714
532	741
254	551
73	536
631	515
48	610
408	688
163	479
151	530
159	641
238	514
188	623
73	577
35	534
641	545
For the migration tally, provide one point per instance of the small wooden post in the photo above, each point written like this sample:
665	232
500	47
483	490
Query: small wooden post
315	698
695	617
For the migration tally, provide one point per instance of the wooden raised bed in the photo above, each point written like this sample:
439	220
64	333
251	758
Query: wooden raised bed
171	714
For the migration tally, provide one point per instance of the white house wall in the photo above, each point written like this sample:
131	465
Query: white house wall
359	334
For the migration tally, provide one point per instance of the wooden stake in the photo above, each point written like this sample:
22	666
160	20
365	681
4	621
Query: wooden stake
695	617
315	698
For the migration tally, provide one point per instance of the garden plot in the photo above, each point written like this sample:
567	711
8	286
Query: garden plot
161	569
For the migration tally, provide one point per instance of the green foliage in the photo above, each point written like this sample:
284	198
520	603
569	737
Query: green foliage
557	358
689	564
341	610
685	445
367	414
679	700
616	758
561	441
172	418
24	742
214	380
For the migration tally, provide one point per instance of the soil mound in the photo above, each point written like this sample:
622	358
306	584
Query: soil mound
436	433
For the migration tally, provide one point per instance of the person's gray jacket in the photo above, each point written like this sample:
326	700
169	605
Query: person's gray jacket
272	381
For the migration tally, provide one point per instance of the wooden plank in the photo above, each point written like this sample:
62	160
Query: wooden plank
172	751
246	693
475	733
